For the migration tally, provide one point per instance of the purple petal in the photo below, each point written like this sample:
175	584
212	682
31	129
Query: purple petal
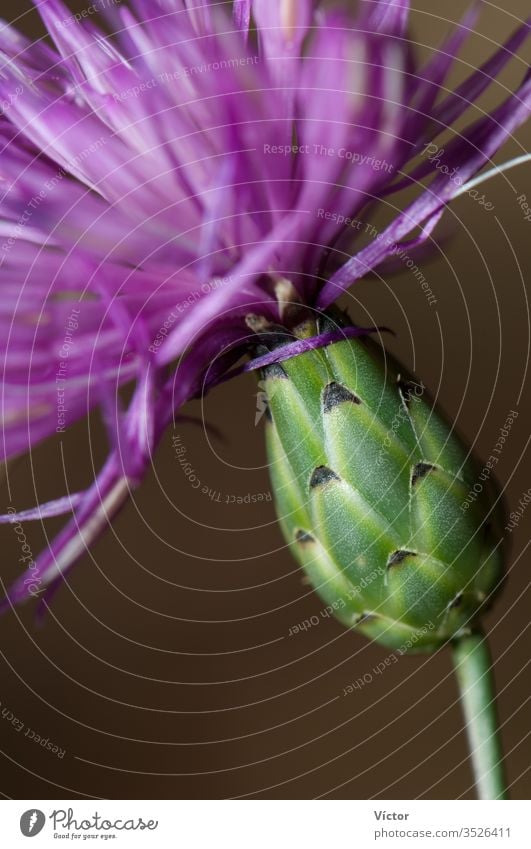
242	15
99	505
44	511
470	153
388	16
283	25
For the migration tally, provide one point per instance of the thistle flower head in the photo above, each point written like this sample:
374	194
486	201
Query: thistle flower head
160	184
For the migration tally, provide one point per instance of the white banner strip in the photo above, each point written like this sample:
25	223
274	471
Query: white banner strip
266	824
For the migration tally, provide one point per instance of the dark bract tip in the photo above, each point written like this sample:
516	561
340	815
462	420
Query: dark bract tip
399	556
335	394
363	618
457	601
325	324
321	476
274	371
420	470
304	538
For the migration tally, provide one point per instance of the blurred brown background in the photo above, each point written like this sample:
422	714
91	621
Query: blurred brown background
165	669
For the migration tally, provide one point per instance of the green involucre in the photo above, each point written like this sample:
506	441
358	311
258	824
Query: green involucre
371	488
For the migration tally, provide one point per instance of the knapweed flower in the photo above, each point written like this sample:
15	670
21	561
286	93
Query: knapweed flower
169	185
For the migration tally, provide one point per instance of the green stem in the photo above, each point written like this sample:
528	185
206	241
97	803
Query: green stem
473	667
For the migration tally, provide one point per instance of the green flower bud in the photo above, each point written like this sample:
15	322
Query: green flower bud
371	487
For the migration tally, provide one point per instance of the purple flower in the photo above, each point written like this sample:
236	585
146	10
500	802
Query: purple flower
161	184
